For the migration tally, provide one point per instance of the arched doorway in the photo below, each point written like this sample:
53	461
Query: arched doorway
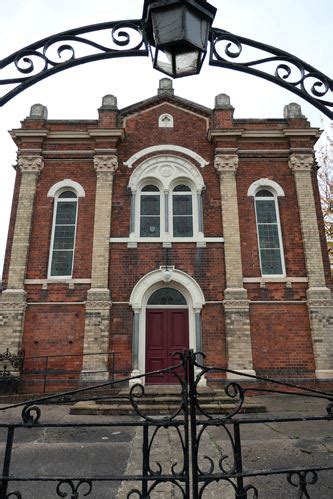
144	289
167	331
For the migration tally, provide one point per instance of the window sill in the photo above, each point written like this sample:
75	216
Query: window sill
277	279
57	280
133	242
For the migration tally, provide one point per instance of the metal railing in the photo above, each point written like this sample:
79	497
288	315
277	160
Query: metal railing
189	421
43	373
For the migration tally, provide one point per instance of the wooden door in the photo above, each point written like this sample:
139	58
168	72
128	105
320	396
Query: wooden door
166	332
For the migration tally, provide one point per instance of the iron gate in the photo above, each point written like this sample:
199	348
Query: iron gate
189	422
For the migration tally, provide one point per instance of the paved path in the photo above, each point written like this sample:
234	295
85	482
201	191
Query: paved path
119	450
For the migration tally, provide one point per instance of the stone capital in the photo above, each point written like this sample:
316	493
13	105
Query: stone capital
301	162
30	164
226	163
98	299
106	164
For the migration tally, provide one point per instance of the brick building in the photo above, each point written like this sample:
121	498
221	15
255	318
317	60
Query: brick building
167	225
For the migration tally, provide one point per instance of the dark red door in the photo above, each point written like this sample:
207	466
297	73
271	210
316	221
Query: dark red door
167	332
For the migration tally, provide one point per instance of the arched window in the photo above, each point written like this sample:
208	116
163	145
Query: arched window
63	234
269	232
166	203
150	211
182	211
167	296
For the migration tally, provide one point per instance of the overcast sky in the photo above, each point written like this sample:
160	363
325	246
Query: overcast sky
302	27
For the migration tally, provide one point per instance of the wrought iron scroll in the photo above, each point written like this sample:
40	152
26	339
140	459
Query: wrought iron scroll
9	362
189	424
70	48
272	64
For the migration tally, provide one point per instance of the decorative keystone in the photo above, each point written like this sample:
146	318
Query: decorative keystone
301	162
226	163
106	164
30	164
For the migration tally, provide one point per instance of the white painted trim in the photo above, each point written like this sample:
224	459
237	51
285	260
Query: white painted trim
324	373
166	147
267	276
55	208
134	239
165	172
63	184
168	124
157	277
265	182
55	280
154	280
274	279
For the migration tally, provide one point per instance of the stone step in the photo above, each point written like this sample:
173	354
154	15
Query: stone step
170	399
157	408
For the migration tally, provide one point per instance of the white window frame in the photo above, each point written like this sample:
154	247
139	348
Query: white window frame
195	217
55	191
166	172
274	199
138	210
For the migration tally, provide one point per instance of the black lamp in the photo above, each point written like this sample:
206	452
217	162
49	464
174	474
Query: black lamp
178	32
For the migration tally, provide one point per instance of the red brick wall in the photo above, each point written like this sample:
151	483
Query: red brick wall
53	172
54	331
50	329
281	340
205	265
279	171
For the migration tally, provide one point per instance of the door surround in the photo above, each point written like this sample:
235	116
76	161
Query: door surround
140	295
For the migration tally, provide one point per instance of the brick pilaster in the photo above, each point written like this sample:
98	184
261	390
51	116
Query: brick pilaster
236	305
97	317
320	304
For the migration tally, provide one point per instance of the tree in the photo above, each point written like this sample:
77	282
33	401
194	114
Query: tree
324	157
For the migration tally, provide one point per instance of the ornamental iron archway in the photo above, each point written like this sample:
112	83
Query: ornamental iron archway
134	38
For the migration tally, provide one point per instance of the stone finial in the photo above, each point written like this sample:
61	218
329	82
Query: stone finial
107	164
293	111
30	164
226	163
222	101
109	102
301	162
165	87
38	112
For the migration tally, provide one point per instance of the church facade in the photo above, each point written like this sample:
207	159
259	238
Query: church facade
168	225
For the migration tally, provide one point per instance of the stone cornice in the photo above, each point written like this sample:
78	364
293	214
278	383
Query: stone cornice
226	163
68	134
106	164
262	133
30	164
301	162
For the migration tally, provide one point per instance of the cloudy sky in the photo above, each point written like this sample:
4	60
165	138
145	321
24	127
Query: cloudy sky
302	27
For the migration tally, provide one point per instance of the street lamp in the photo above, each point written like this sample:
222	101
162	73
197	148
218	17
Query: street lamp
178	33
